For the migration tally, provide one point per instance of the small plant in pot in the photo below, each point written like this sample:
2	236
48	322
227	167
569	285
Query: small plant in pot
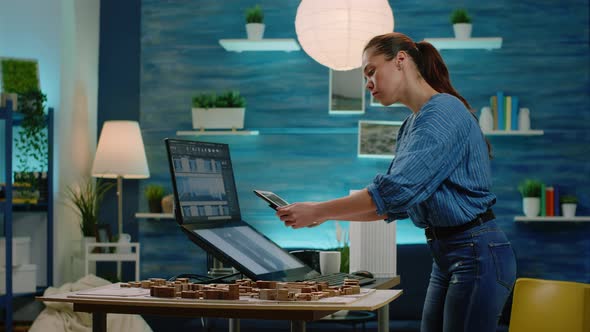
254	25
224	111
85	200
568	205
154	194
461	24
531	197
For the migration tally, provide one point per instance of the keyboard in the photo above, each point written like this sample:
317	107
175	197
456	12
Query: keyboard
337	279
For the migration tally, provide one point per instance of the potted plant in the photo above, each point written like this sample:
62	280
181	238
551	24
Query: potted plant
18	76
461	24
254	25
85	201
531	197
219	112
31	143
154	194
568	205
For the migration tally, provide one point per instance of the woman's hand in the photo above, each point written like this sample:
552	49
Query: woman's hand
298	215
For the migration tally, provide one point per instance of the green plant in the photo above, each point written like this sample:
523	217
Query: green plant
460	16
85	200
254	14
19	76
31	141
343	247
530	188
568	199
154	192
226	99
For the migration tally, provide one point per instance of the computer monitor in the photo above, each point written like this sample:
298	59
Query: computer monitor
204	180
209	213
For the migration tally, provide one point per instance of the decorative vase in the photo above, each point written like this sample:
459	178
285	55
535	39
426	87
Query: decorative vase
462	30
531	206
219	118
524	119
568	210
486	120
86	240
168	204
255	31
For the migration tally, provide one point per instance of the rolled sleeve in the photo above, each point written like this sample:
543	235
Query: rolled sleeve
435	147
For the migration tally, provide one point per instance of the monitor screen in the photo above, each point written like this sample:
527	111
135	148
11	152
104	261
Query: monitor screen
255	252
204	181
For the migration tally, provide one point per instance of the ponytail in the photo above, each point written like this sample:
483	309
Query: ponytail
427	59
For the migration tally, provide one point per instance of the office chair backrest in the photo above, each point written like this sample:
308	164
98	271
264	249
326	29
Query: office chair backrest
549	305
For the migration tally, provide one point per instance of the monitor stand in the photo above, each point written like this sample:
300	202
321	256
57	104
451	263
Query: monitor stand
218	270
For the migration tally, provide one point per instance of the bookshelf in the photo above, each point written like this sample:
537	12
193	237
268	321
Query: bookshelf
514	133
241	45
147	215
552	219
486	43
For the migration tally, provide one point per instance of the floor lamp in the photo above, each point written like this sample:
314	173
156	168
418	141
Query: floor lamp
120	155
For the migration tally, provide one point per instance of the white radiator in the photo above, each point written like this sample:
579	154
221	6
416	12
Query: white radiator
373	247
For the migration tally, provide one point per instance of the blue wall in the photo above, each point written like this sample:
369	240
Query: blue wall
544	61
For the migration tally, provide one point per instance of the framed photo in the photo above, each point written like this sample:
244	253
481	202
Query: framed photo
347	92
377	139
103	235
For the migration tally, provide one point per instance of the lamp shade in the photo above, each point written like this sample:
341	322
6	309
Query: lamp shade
334	32
120	152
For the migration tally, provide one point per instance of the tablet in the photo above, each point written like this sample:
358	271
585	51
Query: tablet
273	199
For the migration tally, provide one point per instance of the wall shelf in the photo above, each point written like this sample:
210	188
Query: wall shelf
514	133
241	45
552	219
147	215
216	132
487	43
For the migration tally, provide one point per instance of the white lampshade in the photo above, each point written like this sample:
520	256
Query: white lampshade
120	152
334	32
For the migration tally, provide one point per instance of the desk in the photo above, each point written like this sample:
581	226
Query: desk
296	312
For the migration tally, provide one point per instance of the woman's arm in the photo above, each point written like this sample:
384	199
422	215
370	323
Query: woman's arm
359	205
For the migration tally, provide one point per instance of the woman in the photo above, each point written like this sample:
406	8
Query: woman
440	179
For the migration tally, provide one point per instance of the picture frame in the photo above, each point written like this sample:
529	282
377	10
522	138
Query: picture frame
377	139
346	91
103	235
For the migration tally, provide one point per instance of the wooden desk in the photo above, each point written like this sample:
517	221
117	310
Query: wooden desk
296	312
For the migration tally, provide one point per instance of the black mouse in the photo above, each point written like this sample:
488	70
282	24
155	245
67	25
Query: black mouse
363	273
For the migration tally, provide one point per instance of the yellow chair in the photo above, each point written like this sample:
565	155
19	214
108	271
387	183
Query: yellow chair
550	306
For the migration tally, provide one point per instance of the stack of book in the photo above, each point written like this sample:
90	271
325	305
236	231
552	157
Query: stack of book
549	201
504	111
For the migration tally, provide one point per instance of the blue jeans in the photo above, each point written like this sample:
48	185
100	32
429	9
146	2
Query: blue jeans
473	273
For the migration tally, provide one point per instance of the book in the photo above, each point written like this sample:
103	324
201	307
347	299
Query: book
543	201
508	112
550	203
494	107
514	113
501	112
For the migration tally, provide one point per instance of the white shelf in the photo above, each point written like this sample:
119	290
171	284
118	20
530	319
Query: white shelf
514	132
487	43
241	45
552	219
216	132
146	215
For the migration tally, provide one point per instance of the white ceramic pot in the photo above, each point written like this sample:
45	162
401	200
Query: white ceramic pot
568	210
86	240
531	206
486	120
462	30
218	118
524	119
255	31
